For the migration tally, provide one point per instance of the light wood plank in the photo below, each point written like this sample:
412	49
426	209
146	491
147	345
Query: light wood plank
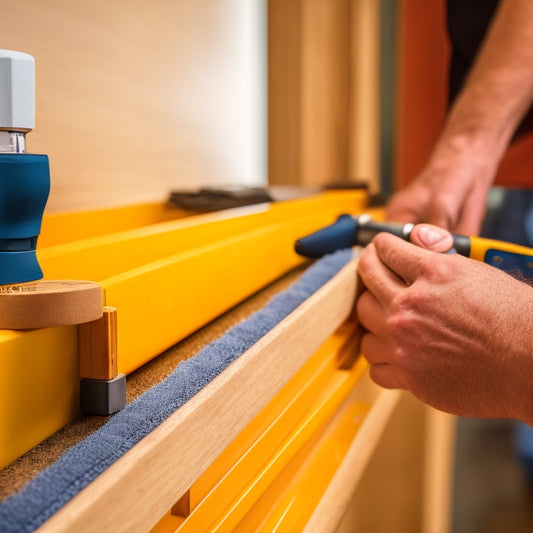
393	477
284	87
324	91
156	472
97	341
325	77
438	479
364	109
285	410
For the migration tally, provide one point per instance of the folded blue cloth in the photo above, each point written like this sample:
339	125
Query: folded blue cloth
26	510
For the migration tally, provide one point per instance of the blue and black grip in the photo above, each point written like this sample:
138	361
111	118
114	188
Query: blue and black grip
350	231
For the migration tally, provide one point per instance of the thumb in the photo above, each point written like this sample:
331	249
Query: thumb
431	238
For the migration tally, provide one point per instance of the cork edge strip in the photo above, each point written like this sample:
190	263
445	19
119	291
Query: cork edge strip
49	303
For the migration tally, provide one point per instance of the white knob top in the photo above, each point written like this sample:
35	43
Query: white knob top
17	91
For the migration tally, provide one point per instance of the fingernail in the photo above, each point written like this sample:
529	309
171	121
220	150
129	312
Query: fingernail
431	236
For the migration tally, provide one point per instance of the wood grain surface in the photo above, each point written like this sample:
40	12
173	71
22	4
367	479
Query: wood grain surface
133	99
97	342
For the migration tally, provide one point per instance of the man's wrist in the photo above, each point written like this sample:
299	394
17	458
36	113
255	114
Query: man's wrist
465	157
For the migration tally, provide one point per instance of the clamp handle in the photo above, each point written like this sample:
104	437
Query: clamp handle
24	178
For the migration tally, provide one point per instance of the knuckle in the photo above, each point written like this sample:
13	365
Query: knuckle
399	354
405	321
398	323
402	309
435	268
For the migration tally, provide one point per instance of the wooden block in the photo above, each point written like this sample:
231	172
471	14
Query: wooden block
49	303
183	506
97	342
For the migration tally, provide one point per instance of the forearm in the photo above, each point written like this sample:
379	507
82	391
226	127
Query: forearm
497	93
451	189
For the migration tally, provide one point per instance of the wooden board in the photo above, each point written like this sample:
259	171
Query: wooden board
97	341
154	474
283	413
323	89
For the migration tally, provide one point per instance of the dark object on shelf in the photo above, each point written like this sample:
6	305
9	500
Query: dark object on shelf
215	199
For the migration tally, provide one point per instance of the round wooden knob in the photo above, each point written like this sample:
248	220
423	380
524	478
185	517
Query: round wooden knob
49	303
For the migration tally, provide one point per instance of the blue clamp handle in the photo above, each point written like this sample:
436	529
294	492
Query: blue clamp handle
339	235
24	189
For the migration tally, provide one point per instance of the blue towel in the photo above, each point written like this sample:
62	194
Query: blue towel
28	509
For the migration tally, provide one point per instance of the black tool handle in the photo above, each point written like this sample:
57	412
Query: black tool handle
367	229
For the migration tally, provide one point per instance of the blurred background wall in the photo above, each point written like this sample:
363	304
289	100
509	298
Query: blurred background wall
135	98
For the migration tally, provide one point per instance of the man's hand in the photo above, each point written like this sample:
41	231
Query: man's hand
455	332
451	190
452	198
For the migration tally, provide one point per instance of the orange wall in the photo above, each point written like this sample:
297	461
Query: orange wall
421	83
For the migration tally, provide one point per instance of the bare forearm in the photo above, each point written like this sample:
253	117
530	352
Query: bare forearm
499	89
451	189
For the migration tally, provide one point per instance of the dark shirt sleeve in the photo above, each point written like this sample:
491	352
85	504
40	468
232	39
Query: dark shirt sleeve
468	21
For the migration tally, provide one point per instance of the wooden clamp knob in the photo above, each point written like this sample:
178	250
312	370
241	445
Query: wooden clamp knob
49	303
